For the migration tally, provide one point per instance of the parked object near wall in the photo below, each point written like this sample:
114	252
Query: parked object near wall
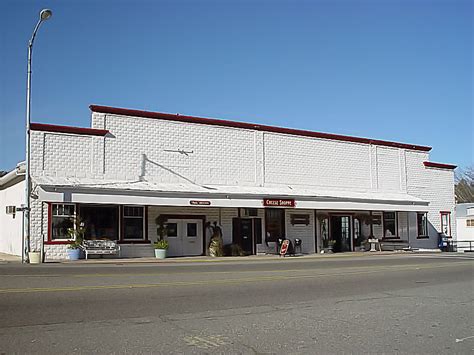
216	247
161	246
74	254
34	257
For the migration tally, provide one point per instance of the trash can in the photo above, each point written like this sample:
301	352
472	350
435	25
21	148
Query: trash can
443	242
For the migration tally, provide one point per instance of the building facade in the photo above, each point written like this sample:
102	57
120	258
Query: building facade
465	227
258	183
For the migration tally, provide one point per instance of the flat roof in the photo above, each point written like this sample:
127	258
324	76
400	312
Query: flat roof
253	126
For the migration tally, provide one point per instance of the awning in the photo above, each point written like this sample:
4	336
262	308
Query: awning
82	190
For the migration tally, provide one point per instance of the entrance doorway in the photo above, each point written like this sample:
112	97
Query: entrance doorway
341	233
185	237
247	232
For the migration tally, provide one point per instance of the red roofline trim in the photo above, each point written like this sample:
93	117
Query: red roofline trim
68	129
430	164
258	127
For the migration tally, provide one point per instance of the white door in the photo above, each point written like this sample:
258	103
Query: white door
184	237
173	229
192	236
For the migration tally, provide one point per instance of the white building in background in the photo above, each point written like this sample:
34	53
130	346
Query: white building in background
259	183
465	226
12	195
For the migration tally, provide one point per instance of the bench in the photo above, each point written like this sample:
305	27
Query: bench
100	247
394	245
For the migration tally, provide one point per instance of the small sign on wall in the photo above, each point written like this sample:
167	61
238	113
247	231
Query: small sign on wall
199	203
300	219
271	202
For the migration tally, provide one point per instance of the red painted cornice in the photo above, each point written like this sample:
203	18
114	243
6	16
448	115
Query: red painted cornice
258	127
68	129
430	164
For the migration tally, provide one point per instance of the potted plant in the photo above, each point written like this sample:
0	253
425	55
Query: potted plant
331	244
161	245
77	234
74	251
34	257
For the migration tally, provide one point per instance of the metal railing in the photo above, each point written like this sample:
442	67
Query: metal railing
461	245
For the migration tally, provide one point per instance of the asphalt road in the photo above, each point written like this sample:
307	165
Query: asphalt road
370	304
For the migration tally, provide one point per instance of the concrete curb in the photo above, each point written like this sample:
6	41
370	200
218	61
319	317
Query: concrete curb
226	259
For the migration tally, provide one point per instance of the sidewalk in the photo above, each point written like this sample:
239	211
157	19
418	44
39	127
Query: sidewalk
208	259
7	258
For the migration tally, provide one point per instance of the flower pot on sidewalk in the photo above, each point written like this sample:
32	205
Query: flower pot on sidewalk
73	254
34	257
160	253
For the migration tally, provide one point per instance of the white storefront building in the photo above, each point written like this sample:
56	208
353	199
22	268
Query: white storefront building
259	183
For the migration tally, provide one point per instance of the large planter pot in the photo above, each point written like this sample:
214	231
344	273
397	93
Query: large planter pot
34	257
73	254
160	253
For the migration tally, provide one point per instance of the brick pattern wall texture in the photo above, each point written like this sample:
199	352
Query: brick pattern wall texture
433	185
170	152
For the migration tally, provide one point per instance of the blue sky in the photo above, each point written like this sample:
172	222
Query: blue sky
393	70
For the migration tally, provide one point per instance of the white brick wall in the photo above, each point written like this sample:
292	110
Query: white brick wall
219	155
316	162
388	169
433	185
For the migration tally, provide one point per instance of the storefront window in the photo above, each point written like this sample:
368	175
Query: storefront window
133	223
422	221
324	226
63	217
274	224
101	222
445	223
390	224
357	237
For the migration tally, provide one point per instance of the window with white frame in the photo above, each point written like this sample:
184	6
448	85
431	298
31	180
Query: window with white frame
469	222
63	218
446	223
422	223
133	223
390	224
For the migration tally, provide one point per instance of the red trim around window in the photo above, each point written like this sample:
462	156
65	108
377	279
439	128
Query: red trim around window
446	213
253	126
50	241
50	220
430	164
68	129
58	242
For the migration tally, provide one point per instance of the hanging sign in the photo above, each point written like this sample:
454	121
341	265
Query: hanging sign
271	202
284	247
199	203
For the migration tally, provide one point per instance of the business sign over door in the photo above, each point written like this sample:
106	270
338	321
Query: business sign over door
199	203
278	202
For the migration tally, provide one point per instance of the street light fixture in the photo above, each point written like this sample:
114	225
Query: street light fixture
44	15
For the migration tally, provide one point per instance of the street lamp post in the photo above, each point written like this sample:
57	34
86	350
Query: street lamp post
43	16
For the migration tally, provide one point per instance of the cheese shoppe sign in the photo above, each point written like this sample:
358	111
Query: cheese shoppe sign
278	202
